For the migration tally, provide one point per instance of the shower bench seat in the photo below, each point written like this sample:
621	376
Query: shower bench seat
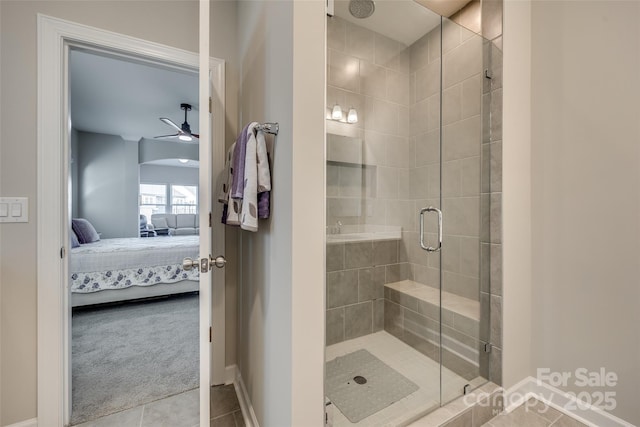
414	294
412	314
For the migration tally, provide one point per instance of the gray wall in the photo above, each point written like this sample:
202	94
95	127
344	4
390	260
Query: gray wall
586	192
74	173
168	174
153	149
281	321
108	184
224	45
167	22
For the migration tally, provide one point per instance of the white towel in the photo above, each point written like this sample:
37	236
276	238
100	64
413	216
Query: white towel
249	209
233	208
264	172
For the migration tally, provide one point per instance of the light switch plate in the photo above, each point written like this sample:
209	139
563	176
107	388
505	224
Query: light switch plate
16	206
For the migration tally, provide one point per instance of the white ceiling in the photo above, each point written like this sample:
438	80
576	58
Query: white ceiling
117	96
402	20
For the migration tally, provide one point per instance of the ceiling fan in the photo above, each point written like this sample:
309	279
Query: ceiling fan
184	131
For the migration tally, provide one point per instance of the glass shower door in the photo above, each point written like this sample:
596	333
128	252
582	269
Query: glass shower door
462	350
404	93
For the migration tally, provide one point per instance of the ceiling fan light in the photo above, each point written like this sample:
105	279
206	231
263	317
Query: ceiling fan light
183	160
186	138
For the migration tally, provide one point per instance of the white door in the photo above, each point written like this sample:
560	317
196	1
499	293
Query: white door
53	340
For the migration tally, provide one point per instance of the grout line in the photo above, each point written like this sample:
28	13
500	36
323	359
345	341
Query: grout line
142	415
224	415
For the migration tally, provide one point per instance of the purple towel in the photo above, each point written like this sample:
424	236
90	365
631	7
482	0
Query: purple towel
239	154
263	204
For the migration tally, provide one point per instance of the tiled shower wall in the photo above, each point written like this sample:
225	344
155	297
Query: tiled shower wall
461	150
491	240
400	155
369	72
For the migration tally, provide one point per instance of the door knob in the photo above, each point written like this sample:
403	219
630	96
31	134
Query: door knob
204	263
219	261
189	264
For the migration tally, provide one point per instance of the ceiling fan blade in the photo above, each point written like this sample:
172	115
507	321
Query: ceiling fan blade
170	123
195	135
173	135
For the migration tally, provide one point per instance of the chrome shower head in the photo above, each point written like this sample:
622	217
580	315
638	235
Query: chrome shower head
362	8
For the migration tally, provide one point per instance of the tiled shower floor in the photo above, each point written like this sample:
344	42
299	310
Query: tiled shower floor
412	364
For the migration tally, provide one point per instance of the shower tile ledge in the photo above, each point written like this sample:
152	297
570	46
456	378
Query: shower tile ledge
460	305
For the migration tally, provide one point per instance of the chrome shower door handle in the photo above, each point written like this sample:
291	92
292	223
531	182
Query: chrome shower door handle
422	242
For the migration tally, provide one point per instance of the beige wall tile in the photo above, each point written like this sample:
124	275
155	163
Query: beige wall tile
427	146
381	116
452	104
470	181
418	118
427	80
342	288
400	212
344	71
336	33
375	211
335	257
373	80
451	178
462	139
335	326
467	287
472	96
358	320
470	256
358	255
450	35
419	52
398	152
461	216
371	283
387	182
450	254
462	62
496	115
360	42
398	87
375	148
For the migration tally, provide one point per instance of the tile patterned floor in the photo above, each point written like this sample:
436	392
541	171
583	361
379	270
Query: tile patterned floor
180	410
534	413
412	364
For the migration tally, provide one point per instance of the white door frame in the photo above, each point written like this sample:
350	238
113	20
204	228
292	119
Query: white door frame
54	36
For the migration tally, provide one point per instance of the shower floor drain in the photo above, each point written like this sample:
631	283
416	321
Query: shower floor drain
360	379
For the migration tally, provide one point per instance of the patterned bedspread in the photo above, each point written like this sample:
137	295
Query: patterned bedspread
122	263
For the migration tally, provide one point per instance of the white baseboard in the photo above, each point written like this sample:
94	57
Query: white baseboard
230	374
33	422
249	415
560	400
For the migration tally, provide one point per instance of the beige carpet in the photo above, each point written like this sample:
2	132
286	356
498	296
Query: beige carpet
131	354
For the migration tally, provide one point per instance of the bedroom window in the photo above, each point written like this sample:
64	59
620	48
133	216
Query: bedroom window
153	199
184	199
168	198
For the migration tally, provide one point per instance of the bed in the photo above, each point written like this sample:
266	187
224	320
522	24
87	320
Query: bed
112	270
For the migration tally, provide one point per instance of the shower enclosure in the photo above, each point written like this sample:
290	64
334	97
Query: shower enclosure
411	166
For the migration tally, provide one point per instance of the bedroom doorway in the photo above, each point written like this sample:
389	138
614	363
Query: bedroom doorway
187	213
134	212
